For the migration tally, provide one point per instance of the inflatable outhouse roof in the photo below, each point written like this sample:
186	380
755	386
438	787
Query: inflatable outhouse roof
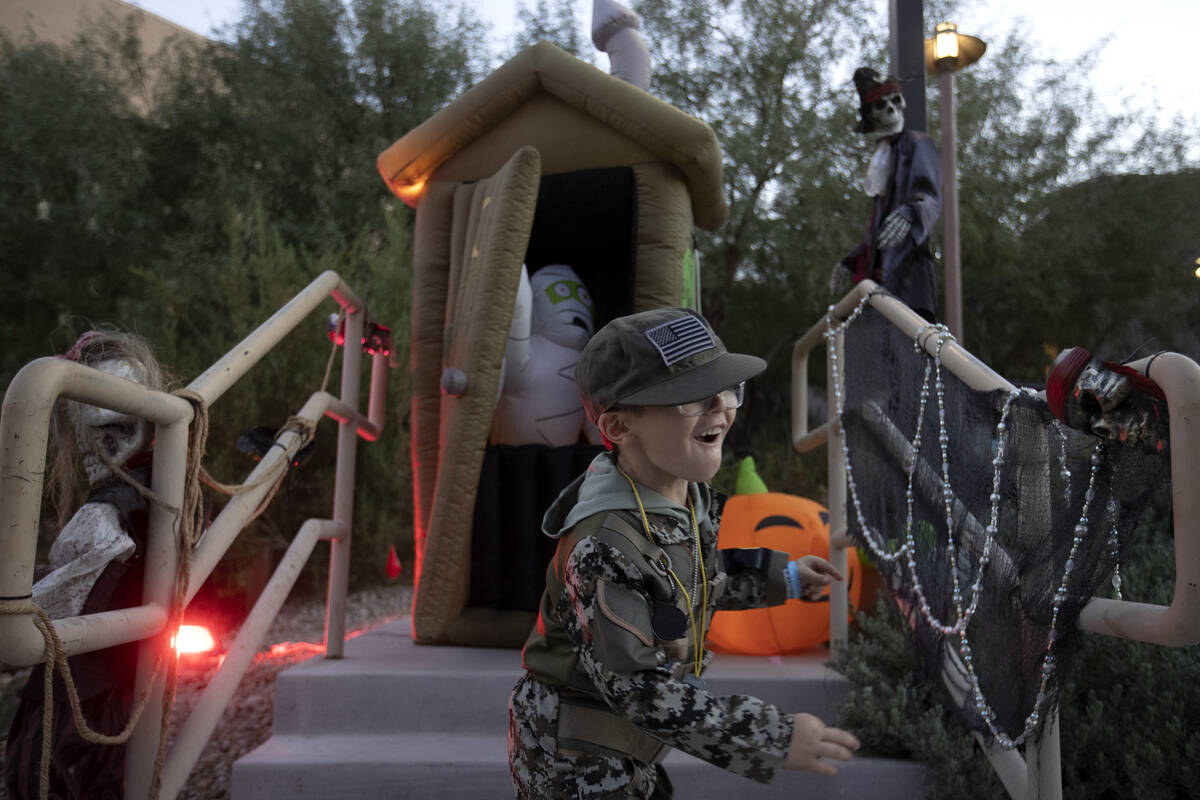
577	116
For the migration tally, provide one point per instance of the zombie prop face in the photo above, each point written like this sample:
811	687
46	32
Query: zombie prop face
1108	400
106	434
103	436
881	104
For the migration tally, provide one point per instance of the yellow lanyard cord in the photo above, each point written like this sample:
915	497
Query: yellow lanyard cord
697	635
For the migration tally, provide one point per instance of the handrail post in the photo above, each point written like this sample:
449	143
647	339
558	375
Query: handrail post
1176	625
162	555
839	596
1044	761
343	489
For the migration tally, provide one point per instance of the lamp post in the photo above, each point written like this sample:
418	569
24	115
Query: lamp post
946	53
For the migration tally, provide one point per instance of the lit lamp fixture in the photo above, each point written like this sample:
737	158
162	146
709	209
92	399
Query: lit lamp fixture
945	44
945	53
951	50
1197	272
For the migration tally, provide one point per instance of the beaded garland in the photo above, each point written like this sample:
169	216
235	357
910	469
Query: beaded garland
906	553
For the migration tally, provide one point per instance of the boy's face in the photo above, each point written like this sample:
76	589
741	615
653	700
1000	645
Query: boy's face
665	450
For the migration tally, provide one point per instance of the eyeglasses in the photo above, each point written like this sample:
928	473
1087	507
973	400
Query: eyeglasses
730	398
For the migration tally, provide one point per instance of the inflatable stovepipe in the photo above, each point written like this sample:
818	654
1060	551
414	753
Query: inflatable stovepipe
615	31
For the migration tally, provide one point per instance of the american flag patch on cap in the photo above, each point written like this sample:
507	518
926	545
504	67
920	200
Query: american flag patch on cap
680	338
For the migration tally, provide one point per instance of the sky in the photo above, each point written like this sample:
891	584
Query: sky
1127	75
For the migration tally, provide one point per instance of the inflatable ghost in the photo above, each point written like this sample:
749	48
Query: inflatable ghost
538	403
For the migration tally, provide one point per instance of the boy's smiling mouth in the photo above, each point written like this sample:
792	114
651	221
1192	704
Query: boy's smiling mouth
711	435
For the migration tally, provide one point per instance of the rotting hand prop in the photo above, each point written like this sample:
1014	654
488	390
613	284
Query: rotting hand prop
538	401
904	178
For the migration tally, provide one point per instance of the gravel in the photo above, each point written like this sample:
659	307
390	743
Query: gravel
295	636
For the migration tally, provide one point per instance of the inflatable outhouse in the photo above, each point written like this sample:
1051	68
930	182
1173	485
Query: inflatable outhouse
546	161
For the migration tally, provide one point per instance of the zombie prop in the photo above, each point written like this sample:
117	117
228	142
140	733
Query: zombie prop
904	178
552	321
96	565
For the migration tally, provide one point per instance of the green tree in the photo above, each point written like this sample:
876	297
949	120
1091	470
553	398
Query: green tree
192	208
760	72
1054	217
554	21
282	128
293	112
73	182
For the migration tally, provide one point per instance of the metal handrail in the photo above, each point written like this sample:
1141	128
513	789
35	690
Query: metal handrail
1178	625
24	434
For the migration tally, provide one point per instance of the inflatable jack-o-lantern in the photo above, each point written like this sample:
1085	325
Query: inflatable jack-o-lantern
779	522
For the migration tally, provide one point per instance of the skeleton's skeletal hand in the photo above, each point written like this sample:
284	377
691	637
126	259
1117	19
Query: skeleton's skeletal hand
839	280
893	230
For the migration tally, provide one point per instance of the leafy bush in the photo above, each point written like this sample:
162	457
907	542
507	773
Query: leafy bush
1130	712
896	718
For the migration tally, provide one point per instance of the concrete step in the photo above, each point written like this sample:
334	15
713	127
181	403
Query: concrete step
436	765
399	720
386	683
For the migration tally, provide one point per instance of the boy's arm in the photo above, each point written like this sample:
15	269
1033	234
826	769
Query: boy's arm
758	577
755	578
607	616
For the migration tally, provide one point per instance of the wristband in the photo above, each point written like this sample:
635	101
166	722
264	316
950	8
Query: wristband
791	577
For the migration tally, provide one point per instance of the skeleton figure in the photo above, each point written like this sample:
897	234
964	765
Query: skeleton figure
1108	400
904	178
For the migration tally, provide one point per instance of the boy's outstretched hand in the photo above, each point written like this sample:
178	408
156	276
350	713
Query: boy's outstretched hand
813	740
815	574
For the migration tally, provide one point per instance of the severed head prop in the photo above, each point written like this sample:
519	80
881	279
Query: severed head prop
1109	400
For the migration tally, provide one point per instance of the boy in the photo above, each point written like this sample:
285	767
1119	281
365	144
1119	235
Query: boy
613	667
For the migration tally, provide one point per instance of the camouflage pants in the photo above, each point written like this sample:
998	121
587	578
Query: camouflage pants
539	770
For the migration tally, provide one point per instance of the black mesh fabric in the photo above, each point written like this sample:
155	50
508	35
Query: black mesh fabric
1039	508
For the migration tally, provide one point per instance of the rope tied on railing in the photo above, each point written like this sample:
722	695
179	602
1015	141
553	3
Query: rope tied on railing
190	524
56	657
307	430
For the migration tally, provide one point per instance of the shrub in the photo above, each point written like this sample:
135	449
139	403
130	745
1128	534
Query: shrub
1130	712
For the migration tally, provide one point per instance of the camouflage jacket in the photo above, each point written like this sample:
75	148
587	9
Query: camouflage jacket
639	677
